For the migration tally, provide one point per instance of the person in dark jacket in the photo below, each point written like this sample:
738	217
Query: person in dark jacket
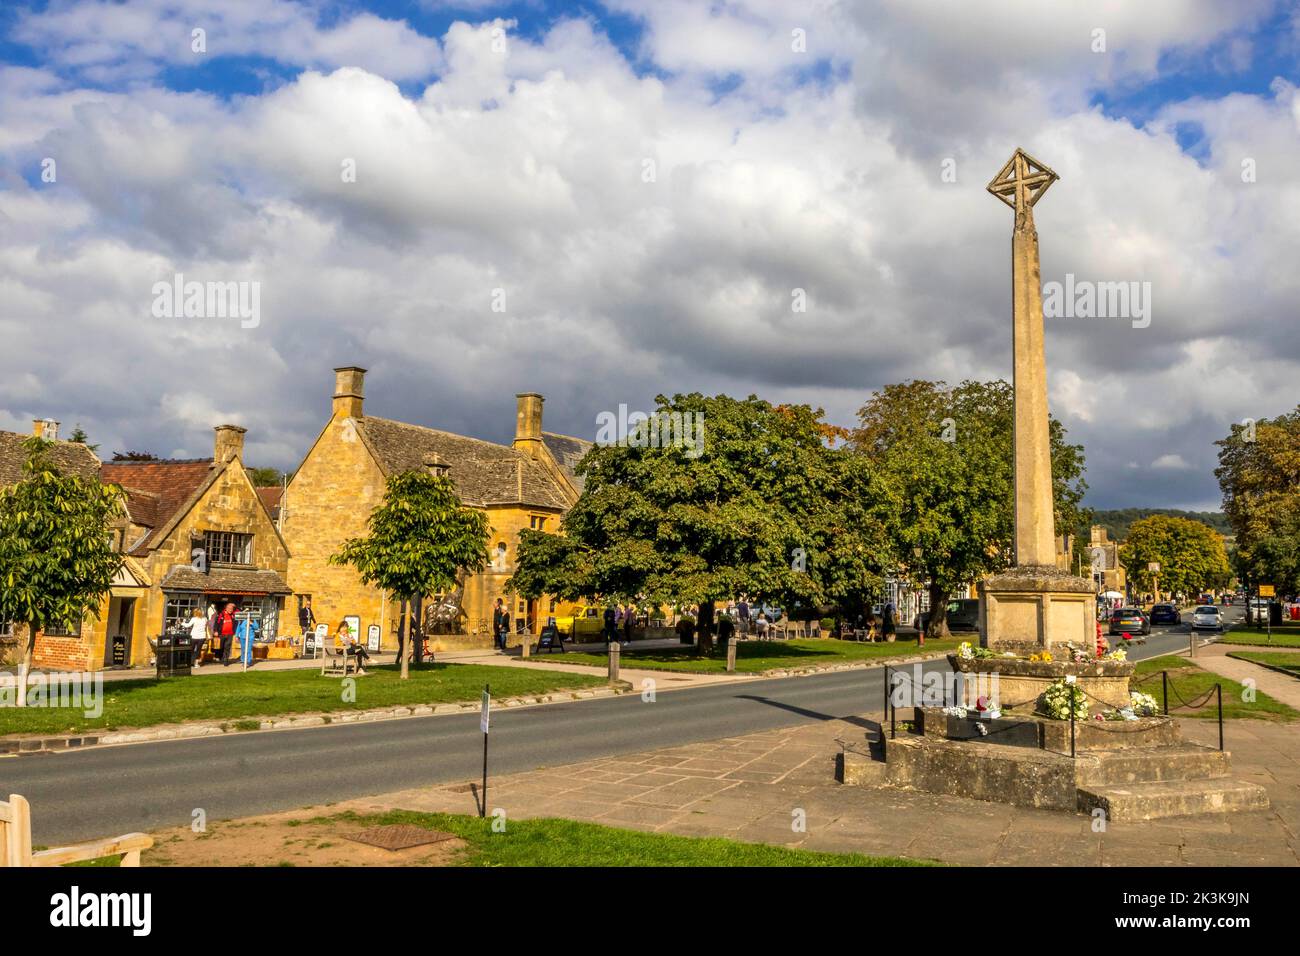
611	624
497	613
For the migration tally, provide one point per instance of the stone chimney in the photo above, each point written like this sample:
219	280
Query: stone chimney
46	428
435	466
349	391
229	443
528	423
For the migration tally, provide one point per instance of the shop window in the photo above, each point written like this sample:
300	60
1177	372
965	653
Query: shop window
179	609
228	547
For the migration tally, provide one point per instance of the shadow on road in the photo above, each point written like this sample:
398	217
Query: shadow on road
813	714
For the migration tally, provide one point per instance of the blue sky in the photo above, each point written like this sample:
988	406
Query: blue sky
649	182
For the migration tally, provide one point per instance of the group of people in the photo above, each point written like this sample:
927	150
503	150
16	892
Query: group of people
221	627
619	617
344	640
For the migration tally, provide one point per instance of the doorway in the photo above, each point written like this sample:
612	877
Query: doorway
118	633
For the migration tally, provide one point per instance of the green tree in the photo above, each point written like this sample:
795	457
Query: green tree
941	481
1190	554
265	477
1259	475
421	539
762	508
80	437
56	562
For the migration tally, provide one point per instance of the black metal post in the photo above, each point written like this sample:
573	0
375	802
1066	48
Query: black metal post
891	716
1164	689
1219	688
884	710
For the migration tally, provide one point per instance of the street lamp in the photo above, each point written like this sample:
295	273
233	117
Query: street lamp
918	553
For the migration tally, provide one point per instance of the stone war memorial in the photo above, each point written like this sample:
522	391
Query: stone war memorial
1039	715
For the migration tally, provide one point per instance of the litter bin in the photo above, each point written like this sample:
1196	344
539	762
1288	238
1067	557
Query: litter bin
1274	613
175	655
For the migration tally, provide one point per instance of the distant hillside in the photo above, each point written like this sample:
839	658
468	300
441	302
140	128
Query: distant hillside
1116	522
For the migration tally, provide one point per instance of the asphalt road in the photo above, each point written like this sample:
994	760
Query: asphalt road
78	795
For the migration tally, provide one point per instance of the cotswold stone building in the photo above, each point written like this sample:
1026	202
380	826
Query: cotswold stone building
195	535
527	484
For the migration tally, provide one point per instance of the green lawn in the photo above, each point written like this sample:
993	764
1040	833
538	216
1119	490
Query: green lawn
1190	682
753	657
550	842
145	703
1278	660
1284	635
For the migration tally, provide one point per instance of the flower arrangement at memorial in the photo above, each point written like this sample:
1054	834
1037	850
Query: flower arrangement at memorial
1056	700
1140	705
1118	654
969	652
1045	656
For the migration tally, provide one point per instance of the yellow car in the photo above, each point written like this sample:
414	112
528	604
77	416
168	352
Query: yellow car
585	620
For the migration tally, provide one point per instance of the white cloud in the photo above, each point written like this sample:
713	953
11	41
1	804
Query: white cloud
525	172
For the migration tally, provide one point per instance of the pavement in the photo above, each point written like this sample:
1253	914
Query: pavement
777	787
1214	657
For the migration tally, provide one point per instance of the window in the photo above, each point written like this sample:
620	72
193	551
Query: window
499	562
179	609
228	547
64	629
537	522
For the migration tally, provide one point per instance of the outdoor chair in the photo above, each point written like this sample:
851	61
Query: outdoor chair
16	842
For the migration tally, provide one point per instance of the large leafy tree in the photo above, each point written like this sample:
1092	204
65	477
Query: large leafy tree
1190	554
941	481
1259	475
763	508
421	540
56	562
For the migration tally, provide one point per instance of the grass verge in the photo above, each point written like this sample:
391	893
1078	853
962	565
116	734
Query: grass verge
754	657
1274	660
1190	683
150	702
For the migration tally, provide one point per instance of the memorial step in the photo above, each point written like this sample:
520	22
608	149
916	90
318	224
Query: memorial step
1153	801
1119	768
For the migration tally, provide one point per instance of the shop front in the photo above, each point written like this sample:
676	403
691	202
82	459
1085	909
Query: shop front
257	599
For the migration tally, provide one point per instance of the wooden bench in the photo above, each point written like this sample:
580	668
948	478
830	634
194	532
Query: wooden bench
16	842
336	662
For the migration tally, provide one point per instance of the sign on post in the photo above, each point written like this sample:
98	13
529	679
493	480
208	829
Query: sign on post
1267	590
483	720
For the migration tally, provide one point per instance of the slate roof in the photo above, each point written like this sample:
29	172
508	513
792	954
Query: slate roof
70	457
270	496
167	485
567	452
225	580
483	472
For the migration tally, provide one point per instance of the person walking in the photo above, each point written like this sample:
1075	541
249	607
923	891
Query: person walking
611	624
888	623
197	625
742	615
223	630
629	622
306	619
247	631
505	626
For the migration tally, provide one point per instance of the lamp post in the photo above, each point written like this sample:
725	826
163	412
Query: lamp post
917	553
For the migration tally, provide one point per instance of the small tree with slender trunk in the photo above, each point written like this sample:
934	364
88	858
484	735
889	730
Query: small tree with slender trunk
421	539
56	559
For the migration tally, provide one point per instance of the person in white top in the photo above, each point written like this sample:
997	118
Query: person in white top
197	625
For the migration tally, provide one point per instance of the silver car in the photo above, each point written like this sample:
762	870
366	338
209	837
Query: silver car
1207	618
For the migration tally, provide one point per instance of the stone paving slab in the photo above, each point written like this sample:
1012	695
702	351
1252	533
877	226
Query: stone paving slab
758	787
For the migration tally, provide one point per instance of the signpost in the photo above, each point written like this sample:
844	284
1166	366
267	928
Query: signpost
1267	591
483	719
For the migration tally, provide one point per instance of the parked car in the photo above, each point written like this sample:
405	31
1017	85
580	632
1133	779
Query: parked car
1166	614
1207	617
1129	619
963	615
585	621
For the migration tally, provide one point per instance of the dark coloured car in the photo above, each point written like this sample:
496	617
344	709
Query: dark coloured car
1130	620
1166	614
963	615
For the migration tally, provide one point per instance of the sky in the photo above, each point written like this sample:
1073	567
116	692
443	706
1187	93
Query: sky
604	201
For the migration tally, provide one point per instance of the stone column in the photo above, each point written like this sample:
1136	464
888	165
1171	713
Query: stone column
1035	542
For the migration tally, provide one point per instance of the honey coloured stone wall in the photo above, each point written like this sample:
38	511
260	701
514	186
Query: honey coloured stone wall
329	500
